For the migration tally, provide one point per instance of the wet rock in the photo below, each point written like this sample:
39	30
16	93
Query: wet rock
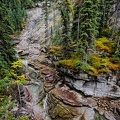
81	76
81	112
34	51
69	96
47	70
118	110
91	102
23	43
118	83
19	51
44	50
15	42
64	111
49	76
25	53
109	116
32	74
89	114
89	88
43	60
23	48
60	111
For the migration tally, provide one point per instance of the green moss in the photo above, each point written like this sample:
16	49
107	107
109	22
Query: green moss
103	61
107	32
70	63
23	118
104	44
54	49
99	64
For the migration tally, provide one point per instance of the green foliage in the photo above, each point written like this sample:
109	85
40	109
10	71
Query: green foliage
69	63
12	16
88	22
23	118
9	78
104	44
4	75
28	3
65	14
12	19
107	32
82	66
6	105
105	8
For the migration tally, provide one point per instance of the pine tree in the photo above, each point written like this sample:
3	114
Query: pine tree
64	8
89	16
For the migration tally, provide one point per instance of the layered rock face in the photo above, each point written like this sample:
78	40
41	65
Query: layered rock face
80	97
104	85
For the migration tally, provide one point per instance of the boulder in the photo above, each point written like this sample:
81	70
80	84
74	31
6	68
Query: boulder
59	111
71	97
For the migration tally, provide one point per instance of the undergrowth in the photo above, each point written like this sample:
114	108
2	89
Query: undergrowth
103	59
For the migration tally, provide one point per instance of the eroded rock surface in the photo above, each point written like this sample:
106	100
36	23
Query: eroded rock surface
84	99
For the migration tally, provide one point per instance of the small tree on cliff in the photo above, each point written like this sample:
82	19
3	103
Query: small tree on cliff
64	9
88	23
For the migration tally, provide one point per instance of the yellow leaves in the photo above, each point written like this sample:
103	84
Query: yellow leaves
19	79
103	70
105	62
16	76
17	64
12	72
113	66
16	72
22	77
93	71
106	30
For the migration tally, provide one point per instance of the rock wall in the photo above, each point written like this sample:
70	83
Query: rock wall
79	96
